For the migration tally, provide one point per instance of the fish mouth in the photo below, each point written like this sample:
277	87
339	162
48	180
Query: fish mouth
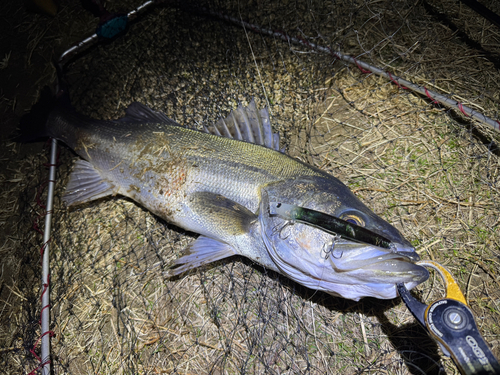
368	257
368	271
352	271
376	264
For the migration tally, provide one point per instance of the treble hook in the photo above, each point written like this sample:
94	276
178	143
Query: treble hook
331	249
287	223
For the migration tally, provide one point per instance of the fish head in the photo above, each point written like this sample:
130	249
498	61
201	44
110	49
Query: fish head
324	261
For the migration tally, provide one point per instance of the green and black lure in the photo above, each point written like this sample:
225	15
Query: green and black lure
328	223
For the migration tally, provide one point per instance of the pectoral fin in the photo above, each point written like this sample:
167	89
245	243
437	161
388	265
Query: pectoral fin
86	184
220	218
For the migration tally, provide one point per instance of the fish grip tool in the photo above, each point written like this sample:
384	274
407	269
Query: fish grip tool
450	322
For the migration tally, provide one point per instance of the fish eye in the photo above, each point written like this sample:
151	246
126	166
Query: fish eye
353	219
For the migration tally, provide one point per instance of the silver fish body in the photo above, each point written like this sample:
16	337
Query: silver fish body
219	183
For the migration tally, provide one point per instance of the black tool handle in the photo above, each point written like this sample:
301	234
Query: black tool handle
452	324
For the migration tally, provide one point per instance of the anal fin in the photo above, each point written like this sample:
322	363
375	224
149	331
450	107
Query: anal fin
202	251
86	184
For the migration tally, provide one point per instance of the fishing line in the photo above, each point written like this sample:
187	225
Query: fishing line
362	66
254	60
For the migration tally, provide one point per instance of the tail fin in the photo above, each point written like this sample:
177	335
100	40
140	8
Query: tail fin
33	125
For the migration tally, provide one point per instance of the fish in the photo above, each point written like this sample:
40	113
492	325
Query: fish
219	182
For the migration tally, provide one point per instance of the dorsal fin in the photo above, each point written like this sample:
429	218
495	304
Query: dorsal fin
140	113
247	124
244	123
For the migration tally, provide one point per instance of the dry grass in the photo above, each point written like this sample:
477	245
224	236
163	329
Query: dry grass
426	169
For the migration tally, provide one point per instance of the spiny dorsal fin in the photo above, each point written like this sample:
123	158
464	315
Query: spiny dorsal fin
247	124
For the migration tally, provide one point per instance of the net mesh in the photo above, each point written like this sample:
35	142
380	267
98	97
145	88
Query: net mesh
424	167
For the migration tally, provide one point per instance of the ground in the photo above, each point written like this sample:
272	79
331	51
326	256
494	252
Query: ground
425	168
